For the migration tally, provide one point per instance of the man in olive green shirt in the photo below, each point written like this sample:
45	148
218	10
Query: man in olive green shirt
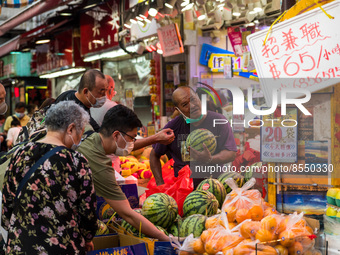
117	135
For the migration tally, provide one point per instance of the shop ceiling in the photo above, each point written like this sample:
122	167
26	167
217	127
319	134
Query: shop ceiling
207	14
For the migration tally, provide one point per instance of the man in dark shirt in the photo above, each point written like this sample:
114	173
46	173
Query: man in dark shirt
91	93
188	104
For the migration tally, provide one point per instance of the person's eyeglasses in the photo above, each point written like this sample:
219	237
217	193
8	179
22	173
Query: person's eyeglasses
133	139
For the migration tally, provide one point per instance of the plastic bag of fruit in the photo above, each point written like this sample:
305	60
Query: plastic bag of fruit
295	234
248	246
186	246
243	203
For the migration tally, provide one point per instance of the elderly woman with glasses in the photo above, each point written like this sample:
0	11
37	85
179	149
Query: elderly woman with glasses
52	209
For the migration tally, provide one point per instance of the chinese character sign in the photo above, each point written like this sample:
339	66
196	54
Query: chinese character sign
279	137
302	52
170	40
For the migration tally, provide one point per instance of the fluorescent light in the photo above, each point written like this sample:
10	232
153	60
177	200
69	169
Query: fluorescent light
236	12
168	5
133	21
111	54
147	20
127	26
42	41
159	51
142	16
202	17
97	41
62	73
185	3
153	12
188	7
139	18
257	7
140	23
15	52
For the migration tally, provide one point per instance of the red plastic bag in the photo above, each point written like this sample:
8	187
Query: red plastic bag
168	177
178	188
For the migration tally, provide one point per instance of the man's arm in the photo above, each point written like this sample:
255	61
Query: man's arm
156	167
122	207
165	136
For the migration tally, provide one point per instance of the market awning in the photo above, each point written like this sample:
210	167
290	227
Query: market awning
29	12
29	36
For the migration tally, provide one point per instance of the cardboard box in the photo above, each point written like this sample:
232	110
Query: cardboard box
121	244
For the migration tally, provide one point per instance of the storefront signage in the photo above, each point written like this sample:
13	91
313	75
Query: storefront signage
170	40
279	137
99	28
302	52
217	61
140	32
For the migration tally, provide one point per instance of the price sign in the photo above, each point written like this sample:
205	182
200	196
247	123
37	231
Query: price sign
302	52
279	137
170	40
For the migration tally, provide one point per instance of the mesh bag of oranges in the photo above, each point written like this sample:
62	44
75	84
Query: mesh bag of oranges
219	237
295	234
243	203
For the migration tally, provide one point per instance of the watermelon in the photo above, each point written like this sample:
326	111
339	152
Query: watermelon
161	209
128	226
199	136
236	176
194	224
215	187
200	202
173	229
102	228
162	229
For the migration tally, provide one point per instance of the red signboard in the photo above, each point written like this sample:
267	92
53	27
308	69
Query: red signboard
62	52
99	28
56	54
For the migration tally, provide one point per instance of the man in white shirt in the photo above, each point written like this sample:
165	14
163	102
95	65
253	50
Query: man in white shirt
98	113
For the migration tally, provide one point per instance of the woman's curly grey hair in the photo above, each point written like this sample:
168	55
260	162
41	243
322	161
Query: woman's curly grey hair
59	116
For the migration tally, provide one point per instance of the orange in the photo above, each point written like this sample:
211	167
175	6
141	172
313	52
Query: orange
242	204
222	242
295	249
211	246
287	238
309	230
231	213
198	246
268	250
301	223
269	223
283	225
249	229
231	225
256	212
253	194
269	211
243	249
309	252
204	236
306	242
264	235
242	215
282	250
211	222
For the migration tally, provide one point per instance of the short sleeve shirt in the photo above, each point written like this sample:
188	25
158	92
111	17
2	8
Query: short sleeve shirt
103	173
71	96
223	133
23	122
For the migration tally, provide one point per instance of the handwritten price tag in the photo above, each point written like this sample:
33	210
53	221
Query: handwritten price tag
302	52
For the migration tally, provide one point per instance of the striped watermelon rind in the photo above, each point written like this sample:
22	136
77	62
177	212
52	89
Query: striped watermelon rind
215	187
194	224
199	136
162	230
127	226
200	202
173	229
236	176
161	209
